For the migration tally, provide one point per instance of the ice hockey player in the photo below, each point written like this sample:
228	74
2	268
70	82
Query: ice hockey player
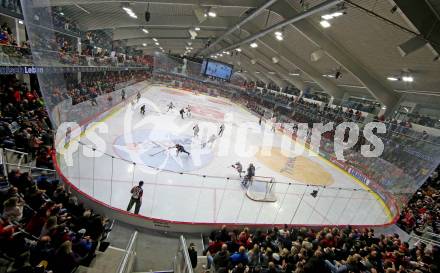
170	106
67	138
138	96
143	110
273	121
196	130
188	111
182	111
249	175
181	149
238	167
211	140
123	94
222	129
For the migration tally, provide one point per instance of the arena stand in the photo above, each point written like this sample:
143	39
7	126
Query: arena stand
275	250
60	48
304	250
422	214
42	226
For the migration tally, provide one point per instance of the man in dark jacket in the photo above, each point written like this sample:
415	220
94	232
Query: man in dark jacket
221	259
192	254
316	264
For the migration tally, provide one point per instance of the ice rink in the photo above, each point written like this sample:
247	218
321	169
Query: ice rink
203	187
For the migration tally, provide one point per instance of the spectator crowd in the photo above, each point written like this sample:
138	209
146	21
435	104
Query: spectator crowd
42	226
24	123
328	250
423	210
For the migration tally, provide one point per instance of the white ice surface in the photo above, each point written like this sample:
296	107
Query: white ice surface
186	198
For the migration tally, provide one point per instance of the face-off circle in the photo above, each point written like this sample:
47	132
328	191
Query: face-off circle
208	113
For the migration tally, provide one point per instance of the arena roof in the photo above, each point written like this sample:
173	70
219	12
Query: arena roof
361	43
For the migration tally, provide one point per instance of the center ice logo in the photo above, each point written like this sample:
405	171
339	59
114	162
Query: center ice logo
157	150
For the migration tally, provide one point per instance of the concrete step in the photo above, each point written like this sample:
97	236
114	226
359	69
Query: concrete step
107	261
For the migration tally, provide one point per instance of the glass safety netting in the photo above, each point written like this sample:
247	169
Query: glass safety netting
88	76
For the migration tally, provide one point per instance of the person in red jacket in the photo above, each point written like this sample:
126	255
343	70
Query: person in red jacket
17	96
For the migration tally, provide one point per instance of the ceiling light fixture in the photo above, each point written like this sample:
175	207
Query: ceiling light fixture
20	22
156	43
197	29
393	79
325	24
212	14
254	45
294	74
238	49
144	44
130	12
407	79
144	30
279	35
154	39
337	13
327	17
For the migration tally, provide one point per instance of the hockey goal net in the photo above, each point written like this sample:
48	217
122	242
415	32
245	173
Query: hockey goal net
261	188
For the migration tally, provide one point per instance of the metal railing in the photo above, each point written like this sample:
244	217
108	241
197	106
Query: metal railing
127	262
16	160
182	261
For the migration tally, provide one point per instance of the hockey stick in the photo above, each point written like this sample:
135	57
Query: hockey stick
160	145
232	166
160	151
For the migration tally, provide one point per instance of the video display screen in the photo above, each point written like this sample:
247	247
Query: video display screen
217	69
